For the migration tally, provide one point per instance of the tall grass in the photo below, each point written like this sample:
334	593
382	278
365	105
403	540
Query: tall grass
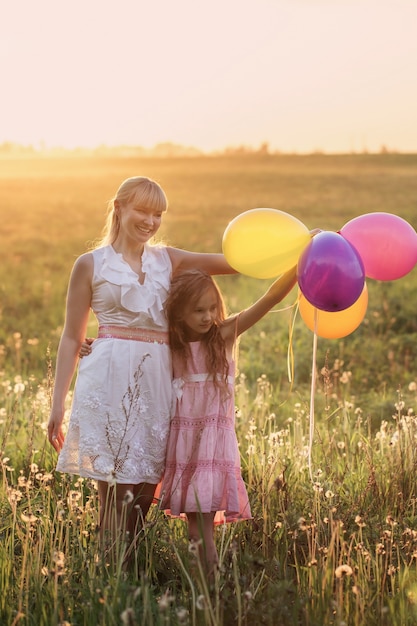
333	538
340	549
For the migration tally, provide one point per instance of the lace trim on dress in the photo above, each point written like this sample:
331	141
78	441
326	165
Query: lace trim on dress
178	383
136	297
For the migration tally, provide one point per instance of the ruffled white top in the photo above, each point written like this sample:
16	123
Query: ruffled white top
120	415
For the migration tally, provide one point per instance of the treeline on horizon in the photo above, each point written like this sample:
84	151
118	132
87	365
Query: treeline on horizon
161	150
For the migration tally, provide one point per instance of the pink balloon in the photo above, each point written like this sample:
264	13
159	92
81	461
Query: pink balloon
386	243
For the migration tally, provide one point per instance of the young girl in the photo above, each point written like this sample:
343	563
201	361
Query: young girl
202	474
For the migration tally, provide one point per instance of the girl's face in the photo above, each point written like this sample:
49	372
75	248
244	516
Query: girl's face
200	316
137	222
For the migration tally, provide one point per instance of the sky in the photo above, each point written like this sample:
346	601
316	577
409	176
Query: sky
300	75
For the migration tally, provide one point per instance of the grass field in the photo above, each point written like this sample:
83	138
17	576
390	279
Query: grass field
338	549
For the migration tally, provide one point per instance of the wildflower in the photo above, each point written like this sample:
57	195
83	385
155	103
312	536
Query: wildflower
193	546
128	497
359	521
412	386
29	518
182	615
14	495
111	479
59	559
22	481
343	570
329	494
128	617
165	600
201	603
345	377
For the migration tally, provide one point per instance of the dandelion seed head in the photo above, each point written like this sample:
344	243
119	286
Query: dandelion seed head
200	603
128	497
193	546
111	479
128	617
29	518
182	615
165	600
345	377
343	570
18	388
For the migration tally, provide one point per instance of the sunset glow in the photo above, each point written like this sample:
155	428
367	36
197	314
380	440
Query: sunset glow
301	75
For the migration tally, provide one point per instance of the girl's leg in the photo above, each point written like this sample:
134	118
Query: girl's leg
201	531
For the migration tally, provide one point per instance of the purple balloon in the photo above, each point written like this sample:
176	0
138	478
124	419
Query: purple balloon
330	272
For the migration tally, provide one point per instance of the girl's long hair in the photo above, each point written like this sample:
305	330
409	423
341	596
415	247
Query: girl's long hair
186	288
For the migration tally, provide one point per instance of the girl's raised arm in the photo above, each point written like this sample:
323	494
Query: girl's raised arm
276	292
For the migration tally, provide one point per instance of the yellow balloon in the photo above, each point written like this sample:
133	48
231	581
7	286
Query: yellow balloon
334	324
264	243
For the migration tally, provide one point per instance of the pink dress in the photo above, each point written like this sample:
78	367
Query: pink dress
202	471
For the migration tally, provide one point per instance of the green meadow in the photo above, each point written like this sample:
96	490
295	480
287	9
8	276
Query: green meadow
330	470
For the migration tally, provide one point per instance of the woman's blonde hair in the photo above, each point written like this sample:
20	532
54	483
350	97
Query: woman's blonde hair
144	192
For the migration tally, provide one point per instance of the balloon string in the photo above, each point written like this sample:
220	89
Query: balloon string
290	351
312	393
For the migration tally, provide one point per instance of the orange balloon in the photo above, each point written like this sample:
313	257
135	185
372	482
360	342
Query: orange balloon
334	324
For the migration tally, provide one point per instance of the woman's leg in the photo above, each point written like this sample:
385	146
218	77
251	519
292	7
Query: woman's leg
123	509
201	531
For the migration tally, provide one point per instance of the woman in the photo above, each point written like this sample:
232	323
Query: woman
119	421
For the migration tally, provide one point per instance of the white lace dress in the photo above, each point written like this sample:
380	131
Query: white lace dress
120	414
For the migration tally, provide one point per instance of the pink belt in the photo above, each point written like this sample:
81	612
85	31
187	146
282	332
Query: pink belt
149	335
